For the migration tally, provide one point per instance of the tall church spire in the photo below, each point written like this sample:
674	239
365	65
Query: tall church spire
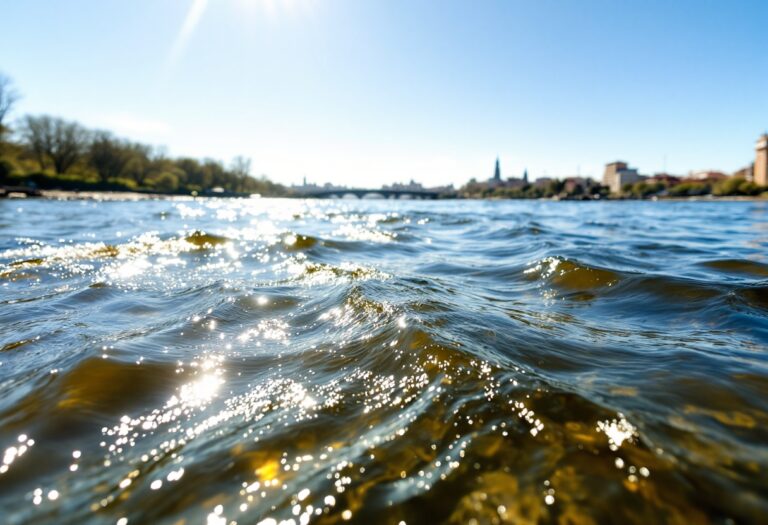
497	171
525	176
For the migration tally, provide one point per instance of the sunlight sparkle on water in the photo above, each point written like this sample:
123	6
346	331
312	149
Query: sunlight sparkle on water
14	452
617	430
301	359
201	390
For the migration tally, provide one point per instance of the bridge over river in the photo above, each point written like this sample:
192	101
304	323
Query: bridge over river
362	193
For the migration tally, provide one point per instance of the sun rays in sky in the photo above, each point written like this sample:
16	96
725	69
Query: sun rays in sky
269	9
195	13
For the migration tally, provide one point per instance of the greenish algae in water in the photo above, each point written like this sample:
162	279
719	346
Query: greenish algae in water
417	362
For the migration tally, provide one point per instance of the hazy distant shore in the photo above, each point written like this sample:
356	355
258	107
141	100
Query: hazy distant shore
135	196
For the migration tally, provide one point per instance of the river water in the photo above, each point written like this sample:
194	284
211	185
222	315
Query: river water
220	361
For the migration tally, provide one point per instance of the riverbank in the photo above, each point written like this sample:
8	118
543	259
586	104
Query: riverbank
107	195
137	196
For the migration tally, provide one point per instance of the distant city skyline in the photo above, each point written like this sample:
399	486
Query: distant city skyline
395	91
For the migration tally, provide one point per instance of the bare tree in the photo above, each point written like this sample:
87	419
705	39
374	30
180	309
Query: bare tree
8	97
241	169
54	141
241	166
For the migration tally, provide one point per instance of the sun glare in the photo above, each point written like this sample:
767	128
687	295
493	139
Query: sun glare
270	9
275	8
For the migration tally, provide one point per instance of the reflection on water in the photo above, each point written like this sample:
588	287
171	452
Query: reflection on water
274	361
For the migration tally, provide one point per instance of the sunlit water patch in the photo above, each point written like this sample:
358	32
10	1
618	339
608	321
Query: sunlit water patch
281	361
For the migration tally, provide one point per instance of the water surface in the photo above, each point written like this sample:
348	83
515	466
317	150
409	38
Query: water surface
220	361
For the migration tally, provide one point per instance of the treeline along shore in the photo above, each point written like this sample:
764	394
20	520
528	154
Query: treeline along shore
51	153
578	188
48	152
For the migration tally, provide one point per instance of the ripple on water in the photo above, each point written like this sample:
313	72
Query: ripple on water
257	360
743	267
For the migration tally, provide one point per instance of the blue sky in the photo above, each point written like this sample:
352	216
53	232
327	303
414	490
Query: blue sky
363	93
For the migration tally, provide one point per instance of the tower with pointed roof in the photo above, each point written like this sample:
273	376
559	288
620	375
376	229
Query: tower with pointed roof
497	172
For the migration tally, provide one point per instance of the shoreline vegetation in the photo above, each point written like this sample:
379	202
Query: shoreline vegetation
732	188
44	153
58	194
49	153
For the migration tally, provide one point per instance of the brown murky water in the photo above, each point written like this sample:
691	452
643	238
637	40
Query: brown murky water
272	361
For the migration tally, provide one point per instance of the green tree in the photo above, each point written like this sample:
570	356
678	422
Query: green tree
54	141
167	181
140	165
193	173
736	186
688	189
749	188
554	187
643	189
108	156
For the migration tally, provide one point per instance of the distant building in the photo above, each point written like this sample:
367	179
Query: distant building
664	178
513	182
746	173
571	183
496	181
761	161
707	175
617	174
410	186
443	190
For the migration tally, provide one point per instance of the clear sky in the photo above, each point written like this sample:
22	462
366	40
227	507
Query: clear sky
360	92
